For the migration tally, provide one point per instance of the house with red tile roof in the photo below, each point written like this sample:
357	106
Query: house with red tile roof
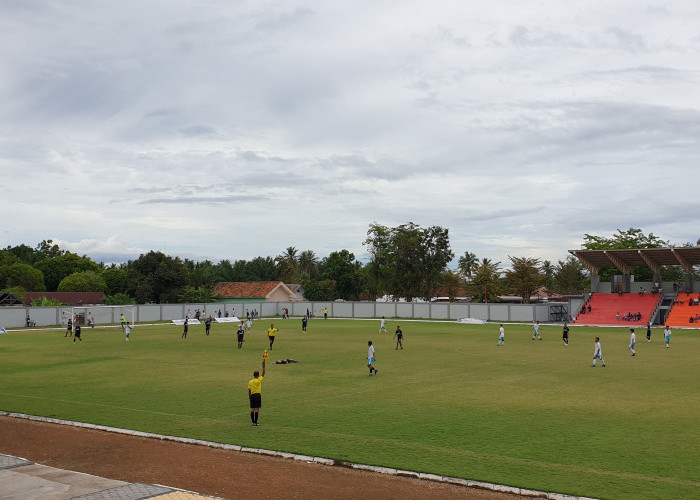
253	291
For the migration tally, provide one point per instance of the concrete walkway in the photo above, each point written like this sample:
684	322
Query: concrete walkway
21	479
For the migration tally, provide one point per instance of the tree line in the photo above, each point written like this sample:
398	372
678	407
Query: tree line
407	261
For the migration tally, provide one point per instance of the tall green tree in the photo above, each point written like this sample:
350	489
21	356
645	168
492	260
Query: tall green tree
156	277
452	284
115	279
408	260
524	276
84	281
315	290
569	276
24	276
487	281
342	268
57	268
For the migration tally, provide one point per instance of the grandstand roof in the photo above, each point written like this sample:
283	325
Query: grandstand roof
653	258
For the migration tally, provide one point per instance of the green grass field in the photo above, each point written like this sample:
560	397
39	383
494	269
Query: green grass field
530	414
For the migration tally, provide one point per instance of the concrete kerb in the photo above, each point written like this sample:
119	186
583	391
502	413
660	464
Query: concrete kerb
305	458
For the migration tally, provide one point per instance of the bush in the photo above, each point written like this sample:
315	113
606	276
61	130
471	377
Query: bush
44	302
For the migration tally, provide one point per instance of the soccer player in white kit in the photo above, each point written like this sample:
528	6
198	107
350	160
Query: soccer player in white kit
370	359
501	335
383	326
667	335
536	329
598	353
633	341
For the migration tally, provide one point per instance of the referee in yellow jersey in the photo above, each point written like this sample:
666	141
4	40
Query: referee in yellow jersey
254	394
271	334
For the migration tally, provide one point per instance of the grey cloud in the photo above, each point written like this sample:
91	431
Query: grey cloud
528	37
206	200
198	131
625	40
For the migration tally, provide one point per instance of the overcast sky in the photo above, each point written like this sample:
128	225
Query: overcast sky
228	130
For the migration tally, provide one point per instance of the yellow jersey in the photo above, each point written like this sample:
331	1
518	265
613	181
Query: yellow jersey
255	385
271	332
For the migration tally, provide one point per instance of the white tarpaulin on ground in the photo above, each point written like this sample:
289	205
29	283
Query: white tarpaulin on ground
189	322
230	319
472	321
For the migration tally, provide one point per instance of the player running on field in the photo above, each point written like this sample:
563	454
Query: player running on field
399	338
207	325
536	329
565	334
598	353
77	333
501	335
370	358
271	334
649	332
633	342
127	330
248	324
667	335
382	326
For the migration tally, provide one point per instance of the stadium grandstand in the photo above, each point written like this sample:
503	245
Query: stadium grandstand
658	303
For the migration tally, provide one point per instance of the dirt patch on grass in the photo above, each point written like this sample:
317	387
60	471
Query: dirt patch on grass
205	470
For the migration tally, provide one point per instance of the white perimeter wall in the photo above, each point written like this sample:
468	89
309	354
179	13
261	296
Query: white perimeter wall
12	317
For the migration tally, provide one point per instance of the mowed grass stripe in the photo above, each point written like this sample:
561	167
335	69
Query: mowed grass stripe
530	414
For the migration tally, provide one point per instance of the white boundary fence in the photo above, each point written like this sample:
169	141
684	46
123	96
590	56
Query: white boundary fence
47	316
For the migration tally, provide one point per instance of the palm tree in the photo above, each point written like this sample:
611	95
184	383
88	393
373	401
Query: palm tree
308	262
261	269
466	264
486	280
290	254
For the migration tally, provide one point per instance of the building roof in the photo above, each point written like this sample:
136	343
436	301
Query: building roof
653	258
70	298
248	289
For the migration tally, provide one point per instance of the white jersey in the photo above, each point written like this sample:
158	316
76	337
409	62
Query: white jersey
127	329
249	324
667	332
383	323
536	326
370	352
501	333
598	351
632	338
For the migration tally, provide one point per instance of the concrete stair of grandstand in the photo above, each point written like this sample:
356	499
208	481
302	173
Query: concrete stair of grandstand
680	313
605	306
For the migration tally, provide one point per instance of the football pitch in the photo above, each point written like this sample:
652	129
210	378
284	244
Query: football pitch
532	414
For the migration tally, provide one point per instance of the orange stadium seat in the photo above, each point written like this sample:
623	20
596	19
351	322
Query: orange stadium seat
682	311
606	306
